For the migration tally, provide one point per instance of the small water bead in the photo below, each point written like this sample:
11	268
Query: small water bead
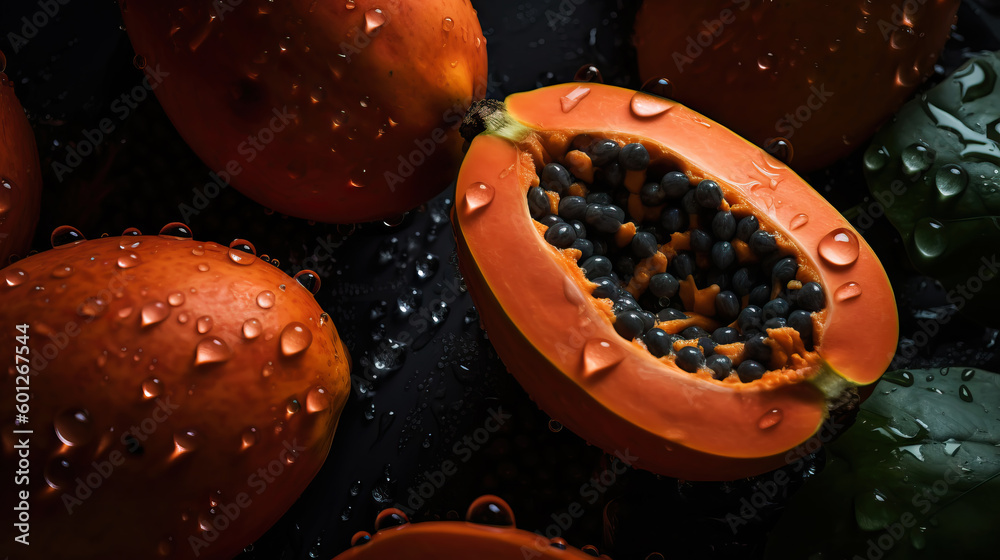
58	473
152	388
295	339
203	267
876	157
308	280
781	149
175	299
176	230
929	237
374	20
318	400
252	328
183	317
128	239
292	407
14	277
968	374
212	350
770	419
840	247
569	101
65	236
646	105
588	73
964	393
916	159
951	180
249	438
128	259
74	427
902	378
798	221
478	196
265	299
185	441
153	313
203	324
267	370
361	538
62	271
490	510
447	24
390	517
849	290
658	86
242	252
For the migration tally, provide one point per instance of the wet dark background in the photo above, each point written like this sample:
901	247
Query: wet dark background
412	405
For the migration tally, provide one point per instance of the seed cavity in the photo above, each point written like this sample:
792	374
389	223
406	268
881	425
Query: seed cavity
690	274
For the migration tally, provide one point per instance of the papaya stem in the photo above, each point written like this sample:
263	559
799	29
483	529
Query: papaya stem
490	116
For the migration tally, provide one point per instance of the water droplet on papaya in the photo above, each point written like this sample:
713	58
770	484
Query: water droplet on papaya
129	239
317	400
183	317
929	237
780	149
847	291
139	61
308	280
62	271
6	196
360	538
490	510
175	299
390	517
74	427
292	407
252	329
646	105
185	441
58	473
211	350
198	251
176	230
249	438
902	38
478	196
840	247
660	87
153	313
964	393
588	73
242	252
92	307
15	277
569	101
951	180
766	61
599	356
203	324
65	236
265	299
916	159
876	157
374	19
447	24
152	388
902	378
203	267
128	260
770	419
555	426
295	338
591	550
267	370
798	221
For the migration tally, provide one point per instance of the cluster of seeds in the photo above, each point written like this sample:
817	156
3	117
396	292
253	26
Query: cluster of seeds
685	274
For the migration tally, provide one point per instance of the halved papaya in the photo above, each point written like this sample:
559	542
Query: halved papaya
657	343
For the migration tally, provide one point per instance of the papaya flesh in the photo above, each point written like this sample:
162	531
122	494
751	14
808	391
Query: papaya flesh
570	348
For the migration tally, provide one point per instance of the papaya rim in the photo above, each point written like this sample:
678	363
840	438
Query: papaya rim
800	404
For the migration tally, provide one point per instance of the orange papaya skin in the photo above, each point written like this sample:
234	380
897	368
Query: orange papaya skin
823	75
563	348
